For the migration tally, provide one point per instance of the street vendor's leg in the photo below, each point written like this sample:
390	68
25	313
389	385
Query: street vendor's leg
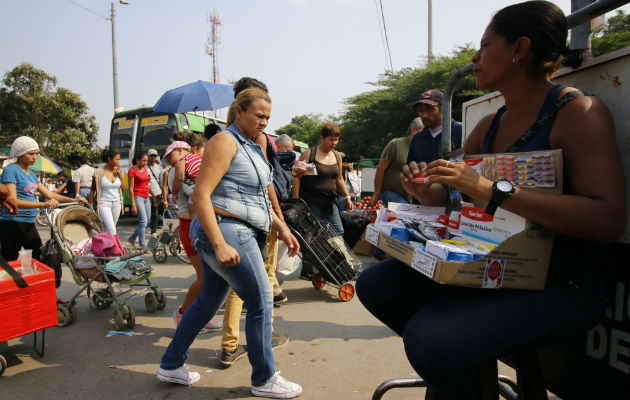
447	340
393	292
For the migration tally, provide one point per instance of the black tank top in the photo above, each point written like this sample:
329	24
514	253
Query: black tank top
321	189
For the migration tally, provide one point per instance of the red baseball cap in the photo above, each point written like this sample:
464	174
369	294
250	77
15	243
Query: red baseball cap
432	97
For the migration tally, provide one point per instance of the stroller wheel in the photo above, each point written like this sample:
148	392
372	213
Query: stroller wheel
160	255
64	316
151	302
3	364
73	312
124	317
161	299
318	281
102	299
346	292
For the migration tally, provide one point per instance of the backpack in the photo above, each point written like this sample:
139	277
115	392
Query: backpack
105	244
282	177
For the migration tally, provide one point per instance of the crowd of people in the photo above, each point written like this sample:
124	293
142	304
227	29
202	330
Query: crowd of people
228	198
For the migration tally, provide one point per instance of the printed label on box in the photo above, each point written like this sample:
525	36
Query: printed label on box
424	263
493	277
371	235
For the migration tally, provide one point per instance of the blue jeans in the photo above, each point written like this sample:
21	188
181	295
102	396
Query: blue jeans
248	279
390	196
144	213
322	214
448	331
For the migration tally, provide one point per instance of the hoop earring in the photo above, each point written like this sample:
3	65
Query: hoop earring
514	60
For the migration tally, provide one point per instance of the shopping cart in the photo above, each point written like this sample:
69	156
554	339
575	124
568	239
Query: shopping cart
169	238
322	246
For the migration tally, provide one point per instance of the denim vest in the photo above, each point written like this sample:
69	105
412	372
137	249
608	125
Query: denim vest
240	191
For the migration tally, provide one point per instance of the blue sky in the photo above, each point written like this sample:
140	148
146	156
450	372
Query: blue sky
312	54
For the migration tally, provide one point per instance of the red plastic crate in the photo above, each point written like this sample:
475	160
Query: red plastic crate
30	309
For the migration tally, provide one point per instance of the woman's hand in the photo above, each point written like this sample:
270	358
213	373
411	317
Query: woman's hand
409	172
349	205
50	203
81	200
134	210
292	243
461	176
227	256
10	203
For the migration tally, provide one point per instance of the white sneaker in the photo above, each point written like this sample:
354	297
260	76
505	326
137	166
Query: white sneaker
277	388
180	375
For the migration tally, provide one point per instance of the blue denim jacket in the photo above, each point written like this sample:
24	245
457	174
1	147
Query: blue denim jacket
239	192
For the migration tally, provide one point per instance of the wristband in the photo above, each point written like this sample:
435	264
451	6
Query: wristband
286	228
348	197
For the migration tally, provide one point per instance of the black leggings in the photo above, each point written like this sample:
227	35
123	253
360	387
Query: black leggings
14	235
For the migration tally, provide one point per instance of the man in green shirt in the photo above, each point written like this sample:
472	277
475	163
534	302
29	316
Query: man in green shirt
387	185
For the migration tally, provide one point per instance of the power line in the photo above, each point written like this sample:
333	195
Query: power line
380	28
391	66
88	10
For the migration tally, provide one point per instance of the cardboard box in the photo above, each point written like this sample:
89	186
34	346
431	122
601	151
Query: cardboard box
520	262
29	309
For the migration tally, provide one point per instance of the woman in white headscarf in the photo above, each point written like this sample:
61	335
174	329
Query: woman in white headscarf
17	231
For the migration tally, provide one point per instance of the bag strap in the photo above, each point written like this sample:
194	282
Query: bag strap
13	273
153	173
257	174
546	117
311	157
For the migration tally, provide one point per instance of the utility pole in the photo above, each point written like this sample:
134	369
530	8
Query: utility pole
212	44
430	32
114	62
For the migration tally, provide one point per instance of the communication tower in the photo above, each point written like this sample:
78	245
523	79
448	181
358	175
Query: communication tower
212	44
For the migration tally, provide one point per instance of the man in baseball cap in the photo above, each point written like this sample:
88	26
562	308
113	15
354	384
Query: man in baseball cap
426	144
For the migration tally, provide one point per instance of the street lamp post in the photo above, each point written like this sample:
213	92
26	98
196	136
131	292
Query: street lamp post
114	62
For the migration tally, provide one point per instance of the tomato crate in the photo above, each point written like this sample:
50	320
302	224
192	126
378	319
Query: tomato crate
29	309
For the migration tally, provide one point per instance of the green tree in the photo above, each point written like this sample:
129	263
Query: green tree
57	118
305	128
613	35
373	118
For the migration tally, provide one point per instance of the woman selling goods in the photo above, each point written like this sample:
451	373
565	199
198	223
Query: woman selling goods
185	158
17	231
233	216
447	330
320	190
108	186
139	193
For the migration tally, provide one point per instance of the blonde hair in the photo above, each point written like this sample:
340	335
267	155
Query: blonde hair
244	100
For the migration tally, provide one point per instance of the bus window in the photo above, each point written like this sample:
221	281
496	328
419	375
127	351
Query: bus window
121	135
183	121
156	131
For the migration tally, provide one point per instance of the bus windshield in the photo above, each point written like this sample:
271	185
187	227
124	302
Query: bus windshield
122	134
156	130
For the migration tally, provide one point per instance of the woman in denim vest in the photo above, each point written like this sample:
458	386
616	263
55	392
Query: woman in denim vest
236	175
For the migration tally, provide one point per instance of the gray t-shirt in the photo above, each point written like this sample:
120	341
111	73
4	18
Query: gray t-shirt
155	185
